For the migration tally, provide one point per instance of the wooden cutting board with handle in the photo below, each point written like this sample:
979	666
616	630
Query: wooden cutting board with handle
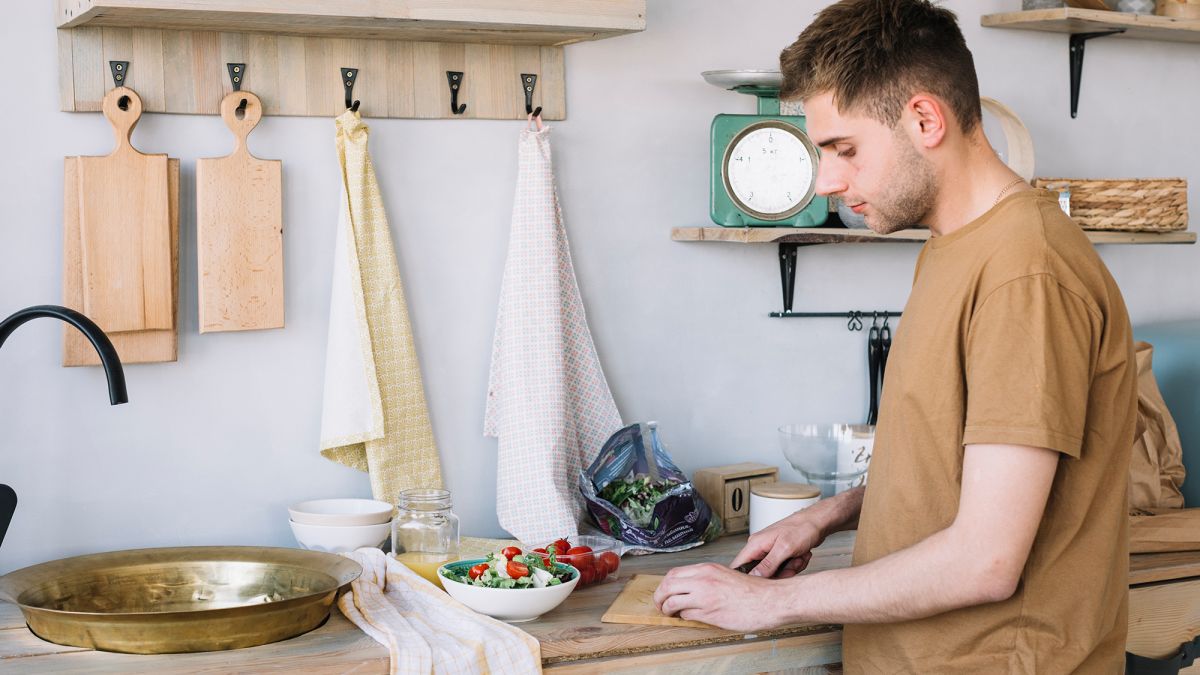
239	230
125	229
147	346
636	605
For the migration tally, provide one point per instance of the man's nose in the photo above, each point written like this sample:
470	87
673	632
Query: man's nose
829	180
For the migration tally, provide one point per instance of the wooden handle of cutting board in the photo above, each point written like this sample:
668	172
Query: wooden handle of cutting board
241	128
123	121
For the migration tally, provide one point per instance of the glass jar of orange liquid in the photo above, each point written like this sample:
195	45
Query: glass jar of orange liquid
425	531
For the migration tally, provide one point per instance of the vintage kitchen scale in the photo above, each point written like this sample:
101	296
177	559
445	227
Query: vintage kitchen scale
763	166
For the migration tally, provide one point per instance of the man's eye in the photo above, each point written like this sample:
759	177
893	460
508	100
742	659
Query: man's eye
847	153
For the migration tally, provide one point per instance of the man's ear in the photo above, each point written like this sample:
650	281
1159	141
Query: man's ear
926	121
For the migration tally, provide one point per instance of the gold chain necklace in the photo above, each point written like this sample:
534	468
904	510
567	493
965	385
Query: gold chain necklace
1008	187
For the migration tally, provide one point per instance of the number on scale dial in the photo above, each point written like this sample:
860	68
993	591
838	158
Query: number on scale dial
769	171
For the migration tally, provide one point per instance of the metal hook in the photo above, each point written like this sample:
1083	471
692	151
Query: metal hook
120	70
454	78
885	319
855	322
349	76
237	71
874	319
529	83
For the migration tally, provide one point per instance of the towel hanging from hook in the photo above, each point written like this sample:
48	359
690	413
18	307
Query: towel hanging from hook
454	78
349	75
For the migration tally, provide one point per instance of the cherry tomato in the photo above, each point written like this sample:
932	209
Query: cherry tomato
560	547
544	554
611	562
586	575
478	570
510	552
581	556
516	570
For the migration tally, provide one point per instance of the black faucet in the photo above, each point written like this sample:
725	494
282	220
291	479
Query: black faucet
108	357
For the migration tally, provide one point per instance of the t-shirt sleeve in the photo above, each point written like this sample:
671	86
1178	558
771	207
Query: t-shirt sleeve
1029	361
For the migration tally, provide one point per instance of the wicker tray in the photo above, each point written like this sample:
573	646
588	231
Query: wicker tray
1131	205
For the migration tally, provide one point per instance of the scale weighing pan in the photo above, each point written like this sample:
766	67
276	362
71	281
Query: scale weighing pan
736	79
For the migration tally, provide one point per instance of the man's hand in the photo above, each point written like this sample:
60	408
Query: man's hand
785	548
723	597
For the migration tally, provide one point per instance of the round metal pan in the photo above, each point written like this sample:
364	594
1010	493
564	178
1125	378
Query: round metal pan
188	599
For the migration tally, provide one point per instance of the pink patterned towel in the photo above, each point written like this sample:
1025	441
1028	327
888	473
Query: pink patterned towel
548	402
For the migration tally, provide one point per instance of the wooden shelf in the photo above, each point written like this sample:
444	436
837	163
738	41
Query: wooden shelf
1072	21
838	235
517	22
294	49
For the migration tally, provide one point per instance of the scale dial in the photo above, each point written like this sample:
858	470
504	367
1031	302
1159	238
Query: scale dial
770	170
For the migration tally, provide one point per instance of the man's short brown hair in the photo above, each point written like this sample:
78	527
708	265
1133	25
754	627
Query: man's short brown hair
874	55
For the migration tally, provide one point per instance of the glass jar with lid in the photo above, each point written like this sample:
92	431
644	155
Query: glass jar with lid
425	531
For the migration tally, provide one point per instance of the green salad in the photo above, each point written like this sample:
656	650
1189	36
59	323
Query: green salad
511	568
637	496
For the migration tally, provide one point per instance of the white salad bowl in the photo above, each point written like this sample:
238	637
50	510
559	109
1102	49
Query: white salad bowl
341	512
514	605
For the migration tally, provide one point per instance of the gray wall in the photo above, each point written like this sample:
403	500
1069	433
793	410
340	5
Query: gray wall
211	449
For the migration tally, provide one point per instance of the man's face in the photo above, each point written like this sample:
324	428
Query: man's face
874	169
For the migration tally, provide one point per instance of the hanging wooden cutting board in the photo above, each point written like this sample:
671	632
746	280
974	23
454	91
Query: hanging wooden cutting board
636	605
148	346
125	229
239	230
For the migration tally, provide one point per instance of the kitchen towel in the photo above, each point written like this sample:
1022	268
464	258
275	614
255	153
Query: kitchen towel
548	403
374	417
425	630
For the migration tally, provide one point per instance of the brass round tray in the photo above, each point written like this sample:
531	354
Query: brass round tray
188	599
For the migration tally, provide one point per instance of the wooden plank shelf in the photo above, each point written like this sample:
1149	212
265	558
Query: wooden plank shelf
293	51
839	235
520	22
1072	20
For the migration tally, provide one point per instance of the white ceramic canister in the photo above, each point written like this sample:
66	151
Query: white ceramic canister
772	502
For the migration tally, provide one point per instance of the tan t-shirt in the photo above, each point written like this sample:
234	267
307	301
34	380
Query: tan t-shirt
1014	333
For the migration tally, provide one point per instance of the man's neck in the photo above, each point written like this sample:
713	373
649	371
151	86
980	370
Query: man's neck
970	187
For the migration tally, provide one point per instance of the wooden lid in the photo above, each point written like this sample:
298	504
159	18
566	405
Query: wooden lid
786	490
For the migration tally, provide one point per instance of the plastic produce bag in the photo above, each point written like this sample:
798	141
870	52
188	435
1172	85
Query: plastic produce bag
662	510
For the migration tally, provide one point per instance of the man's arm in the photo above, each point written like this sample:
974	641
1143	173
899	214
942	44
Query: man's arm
977	559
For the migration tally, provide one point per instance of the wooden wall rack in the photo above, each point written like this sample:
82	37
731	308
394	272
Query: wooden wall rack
294	51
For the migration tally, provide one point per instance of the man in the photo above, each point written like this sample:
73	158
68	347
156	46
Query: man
992	536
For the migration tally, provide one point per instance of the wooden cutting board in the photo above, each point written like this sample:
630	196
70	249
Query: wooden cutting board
239	230
636	605
148	346
125	229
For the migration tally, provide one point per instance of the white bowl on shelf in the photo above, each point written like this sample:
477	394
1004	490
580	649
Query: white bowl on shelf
339	538
341	512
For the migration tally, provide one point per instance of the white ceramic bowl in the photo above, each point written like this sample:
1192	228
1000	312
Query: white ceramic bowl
338	538
341	512
514	605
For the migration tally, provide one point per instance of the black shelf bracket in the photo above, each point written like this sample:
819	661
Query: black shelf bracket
1078	40
787	280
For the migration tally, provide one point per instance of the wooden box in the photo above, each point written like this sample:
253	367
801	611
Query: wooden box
726	489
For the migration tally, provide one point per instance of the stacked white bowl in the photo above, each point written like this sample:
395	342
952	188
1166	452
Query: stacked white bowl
335	525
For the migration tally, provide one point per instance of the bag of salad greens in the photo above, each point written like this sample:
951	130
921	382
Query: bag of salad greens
635	493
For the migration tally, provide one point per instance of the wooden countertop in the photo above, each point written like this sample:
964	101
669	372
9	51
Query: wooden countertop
572	636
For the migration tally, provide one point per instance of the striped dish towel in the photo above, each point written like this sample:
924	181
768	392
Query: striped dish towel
548	403
425	630
374	416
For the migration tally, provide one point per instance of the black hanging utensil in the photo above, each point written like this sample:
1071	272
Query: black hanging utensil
885	346
873	372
